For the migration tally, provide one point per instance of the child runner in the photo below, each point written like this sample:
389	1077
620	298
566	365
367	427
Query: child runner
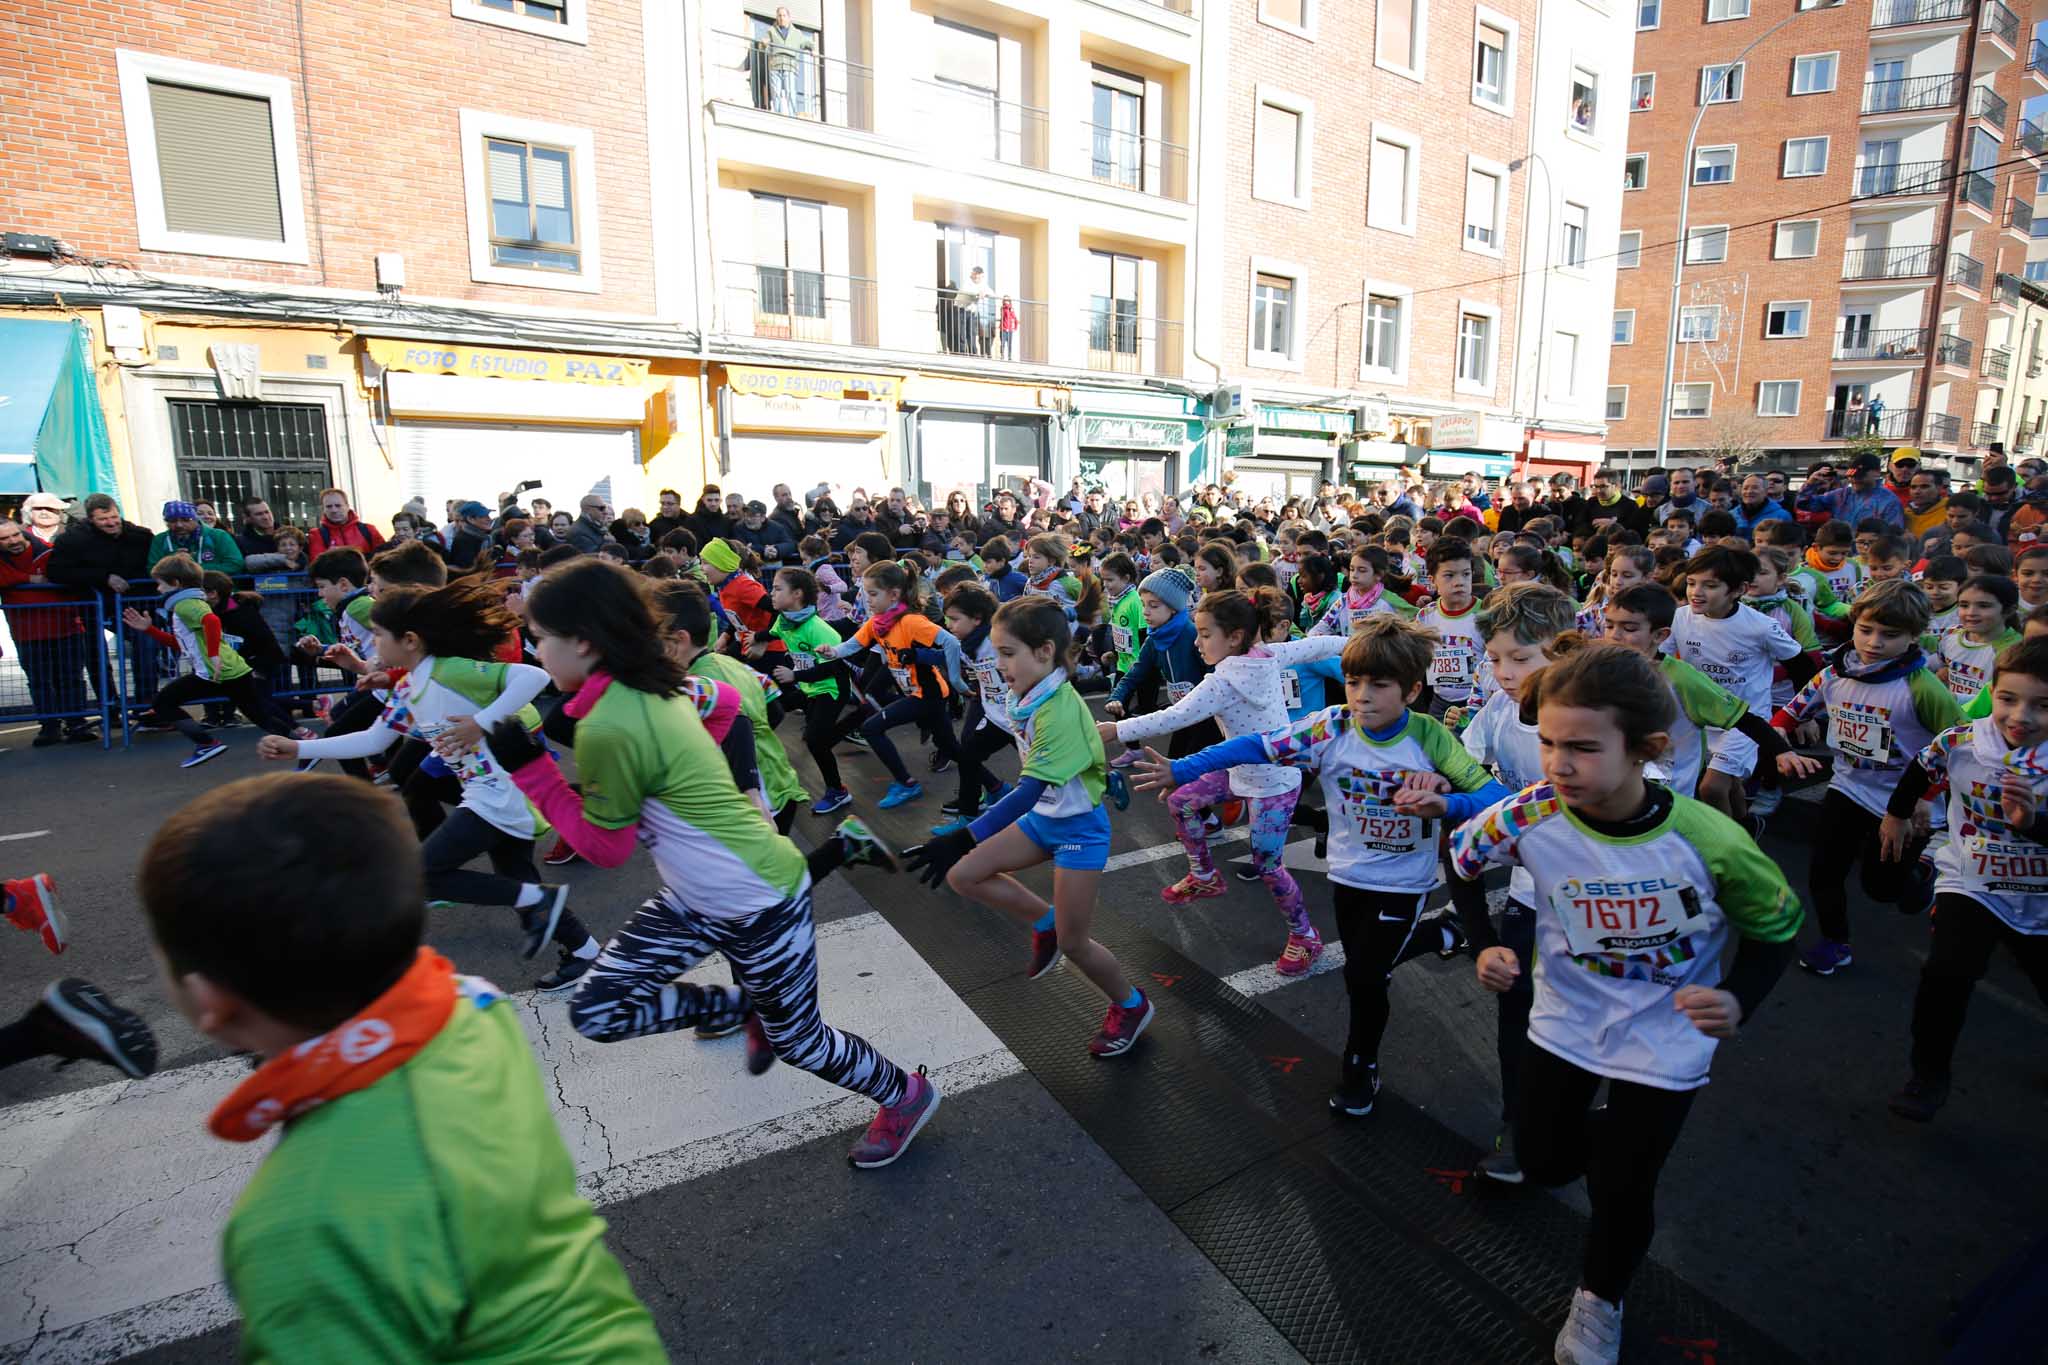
1880	703
1993	884
985	729
690	629
2030	577
1365	594
1984	630
1126	611
1245	693
1454	672
1053	814
910	644
73	1020
1168	656
1383	838
1627	566
1638	893
451	698
1004	581
217	670
805	634
1046	573
1315	587
1942	580
2035	627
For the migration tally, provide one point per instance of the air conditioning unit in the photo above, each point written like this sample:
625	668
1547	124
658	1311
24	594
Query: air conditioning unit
1228	405
1371	419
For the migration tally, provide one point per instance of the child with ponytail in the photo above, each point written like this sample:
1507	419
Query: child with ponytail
920	655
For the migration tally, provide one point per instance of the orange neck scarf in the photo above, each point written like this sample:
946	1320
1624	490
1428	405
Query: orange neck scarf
1814	561
351	1056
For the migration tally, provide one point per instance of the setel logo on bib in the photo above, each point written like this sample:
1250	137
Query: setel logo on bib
1615	917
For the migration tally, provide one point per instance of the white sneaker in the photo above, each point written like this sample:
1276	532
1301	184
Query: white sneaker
1592	1332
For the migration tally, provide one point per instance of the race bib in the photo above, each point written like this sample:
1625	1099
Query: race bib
1860	732
1176	690
994	691
902	677
1290	689
1625	918
1452	664
1370	816
800	662
2013	866
1120	637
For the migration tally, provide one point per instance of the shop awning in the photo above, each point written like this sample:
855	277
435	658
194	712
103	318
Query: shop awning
1458	463
53	436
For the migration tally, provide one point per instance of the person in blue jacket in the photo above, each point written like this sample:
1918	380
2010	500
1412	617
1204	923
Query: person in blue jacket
1169	658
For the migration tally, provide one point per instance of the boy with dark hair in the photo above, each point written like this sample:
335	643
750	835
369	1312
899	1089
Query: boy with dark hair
420	1203
408	564
1003	580
1454	674
2030	576
217	668
1888	558
1942	580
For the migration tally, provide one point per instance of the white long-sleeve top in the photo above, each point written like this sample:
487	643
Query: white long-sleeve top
1248	695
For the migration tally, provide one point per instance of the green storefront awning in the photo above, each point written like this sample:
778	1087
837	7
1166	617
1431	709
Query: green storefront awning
53	436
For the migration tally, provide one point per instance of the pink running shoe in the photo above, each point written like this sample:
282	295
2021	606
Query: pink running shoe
1192	888
1126	758
1300	955
32	908
888	1137
1121	1027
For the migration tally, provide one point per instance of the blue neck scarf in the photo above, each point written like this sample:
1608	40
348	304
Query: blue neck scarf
800	615
1024	707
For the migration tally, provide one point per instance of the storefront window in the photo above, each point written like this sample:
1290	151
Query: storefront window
979	453
1123	474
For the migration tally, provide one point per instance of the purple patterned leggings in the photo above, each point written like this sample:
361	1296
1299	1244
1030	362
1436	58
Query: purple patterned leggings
1270	818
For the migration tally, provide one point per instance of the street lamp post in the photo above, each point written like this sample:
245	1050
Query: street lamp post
1683	244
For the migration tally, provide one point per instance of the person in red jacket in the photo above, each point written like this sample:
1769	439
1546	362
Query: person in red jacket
340	529
740	593
44	620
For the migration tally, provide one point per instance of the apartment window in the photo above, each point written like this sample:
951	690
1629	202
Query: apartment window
567	20
1280	149
1635	170
1813	75
532	190
1713	165
1721	84
1700	322
1493	63
1476	334
1113	324
1628	250
214	156
1642	92
1778	398
1585	100
1384	351
1273	315
1391	181
1564	365
1797	239
1806	156
1691	400
1617	402
1295	15
789	260
1399	37
1649	13
1786	318
1624	326
1706	245
1573	247
1482	209
1719	10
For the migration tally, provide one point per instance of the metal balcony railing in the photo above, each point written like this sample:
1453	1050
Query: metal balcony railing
1983	433
1997	362
1978	188
1121	342
962	322
968	123
1999	22
2006	291
1912	92
1950	349
2032	138
1891	424
2037	56
1889	262
783	304
1943	429
1906	177
1986	105
805	85
1897	13
1896	343
1966	271
2019	215
1133	161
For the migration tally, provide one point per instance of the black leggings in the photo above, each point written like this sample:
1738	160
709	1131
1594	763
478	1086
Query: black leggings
250	693
1847	834
461	837
1965	936
929	711
821	731
1374	926
977	744
1620	1150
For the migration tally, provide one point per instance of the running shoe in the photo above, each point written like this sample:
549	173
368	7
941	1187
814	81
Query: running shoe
84	1025
857	740
1045	952
835	798
1920	1099
900	793
81	734
1592	1332
561	855
950	806
1451	935
1126	758
888	1137
1357	1090
570	970
1248	872
952	826
1501	1163
32	908
1918	897
760	1052
442	905
539	921
1192	888
50	734
203	753
301	733
1119	788
1299	955
940	762
1121	1027
722	1026
864	848
1826	957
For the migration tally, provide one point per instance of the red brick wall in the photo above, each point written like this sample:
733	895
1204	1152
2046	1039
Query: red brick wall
376	104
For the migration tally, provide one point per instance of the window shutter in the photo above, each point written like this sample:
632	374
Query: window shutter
217	162
1479	200
508	171
550	180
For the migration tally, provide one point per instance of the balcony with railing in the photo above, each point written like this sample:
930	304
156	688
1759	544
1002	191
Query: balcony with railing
2032	139
1950	349
964	323
2006	293
2000	23
1890	262
1862	345
1899	13
1910	93
1890	424
777	303
747	71
2019	215
1902	177
1983	433
1133	161
1997	362
966	122
1942	429
2037	60
1977	189
1966	271
1986	106
1121	342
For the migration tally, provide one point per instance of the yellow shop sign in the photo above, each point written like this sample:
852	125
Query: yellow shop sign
486	362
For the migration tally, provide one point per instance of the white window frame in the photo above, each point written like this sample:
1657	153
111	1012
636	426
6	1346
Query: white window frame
1778	239
1288	270
1569	391
1798	396
1642	27
1491	312
1410	189
1304	111
1630	339
136	70
1834	74
1495	20
1420	39
478	124
1598	80
1564	259
1377	374
1699	232
1499	172
1827	151
574	28
1713	312
1310	12
1649	76
1806	319
1643	157
1727	18
1741	81
1605	407
1733	154
1622	252
1707	411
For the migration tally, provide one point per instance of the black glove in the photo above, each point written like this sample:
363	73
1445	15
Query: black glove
558	725
931	862
512	746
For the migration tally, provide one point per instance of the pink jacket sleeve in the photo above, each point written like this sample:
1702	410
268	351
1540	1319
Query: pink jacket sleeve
544	785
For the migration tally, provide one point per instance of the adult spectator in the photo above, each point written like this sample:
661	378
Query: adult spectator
108	555
1753	507
258	533
473	524
589	532
45	514
49	635
669	517
1092	513
1076	498
784	50
1684	497
765	536
1564	500
708	521
340	529
183	534
2001	499
1926	506
961	512
788	513
1608	508
1474	489
1864	496
630	529
1394	500
892	516
1778	488
858	521
1899	481
2029	524
1003	518
1521	508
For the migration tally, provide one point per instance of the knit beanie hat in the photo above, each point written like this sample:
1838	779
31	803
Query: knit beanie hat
1173	585
720	556
177	510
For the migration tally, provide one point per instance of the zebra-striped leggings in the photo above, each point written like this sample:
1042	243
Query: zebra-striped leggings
633	991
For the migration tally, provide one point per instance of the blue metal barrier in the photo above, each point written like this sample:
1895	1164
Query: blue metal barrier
54	670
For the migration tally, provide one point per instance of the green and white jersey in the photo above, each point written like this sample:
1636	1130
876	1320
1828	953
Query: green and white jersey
1966	664
1373	846
1498	738
1939	627
1127	629
352	621
187	614
1874	727
1623	922
1986	859
1062	749
1703	705
806	641
778	779
648	759
1460	651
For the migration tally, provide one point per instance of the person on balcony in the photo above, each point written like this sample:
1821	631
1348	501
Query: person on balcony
784	49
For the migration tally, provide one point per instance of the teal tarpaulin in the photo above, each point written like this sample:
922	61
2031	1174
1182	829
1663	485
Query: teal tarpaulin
53	435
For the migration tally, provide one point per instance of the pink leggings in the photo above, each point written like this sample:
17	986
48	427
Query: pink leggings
1270	818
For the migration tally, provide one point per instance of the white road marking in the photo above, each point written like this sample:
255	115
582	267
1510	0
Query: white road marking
1265	978
1137	857
30	834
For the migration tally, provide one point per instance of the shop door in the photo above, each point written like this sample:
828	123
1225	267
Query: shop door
227	452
